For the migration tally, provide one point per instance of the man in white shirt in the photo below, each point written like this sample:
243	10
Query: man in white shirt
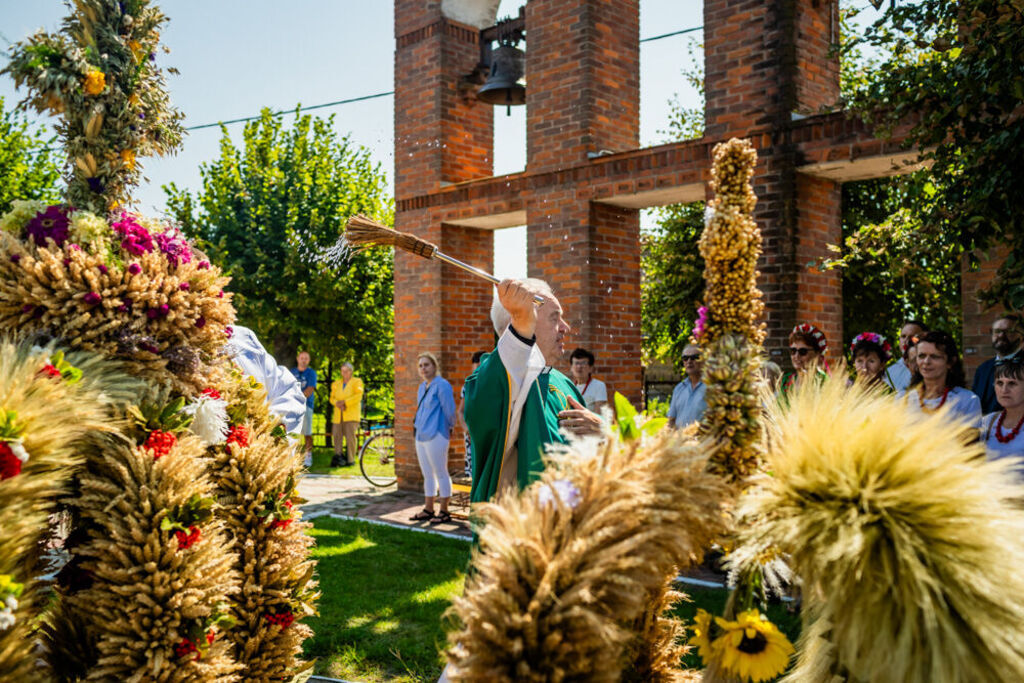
594	391
688	404
897	375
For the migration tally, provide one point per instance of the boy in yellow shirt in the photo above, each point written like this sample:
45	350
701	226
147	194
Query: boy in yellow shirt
347	399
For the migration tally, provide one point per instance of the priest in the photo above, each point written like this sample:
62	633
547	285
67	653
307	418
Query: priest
516	402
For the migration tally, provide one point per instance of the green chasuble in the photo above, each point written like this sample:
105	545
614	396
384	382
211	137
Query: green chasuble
511	409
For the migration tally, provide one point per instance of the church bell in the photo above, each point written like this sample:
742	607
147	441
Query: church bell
502	86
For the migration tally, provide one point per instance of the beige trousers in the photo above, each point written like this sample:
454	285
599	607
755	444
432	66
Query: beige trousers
348	431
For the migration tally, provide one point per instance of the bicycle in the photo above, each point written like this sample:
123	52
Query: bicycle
377	454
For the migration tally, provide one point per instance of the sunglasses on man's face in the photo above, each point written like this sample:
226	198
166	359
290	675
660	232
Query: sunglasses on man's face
691	356
799	350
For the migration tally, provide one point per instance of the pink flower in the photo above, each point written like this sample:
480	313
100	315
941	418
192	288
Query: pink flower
135	269
92	298
175	248
52	223
135	239
701	323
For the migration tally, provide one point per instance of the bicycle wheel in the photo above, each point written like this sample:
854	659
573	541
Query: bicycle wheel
377	460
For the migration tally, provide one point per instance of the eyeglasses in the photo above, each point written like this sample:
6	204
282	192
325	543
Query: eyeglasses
691	356
799	350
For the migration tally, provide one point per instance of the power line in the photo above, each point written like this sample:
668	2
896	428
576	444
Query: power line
674	33
336	103
363	98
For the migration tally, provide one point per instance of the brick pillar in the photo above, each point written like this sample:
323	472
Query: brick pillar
583	93
978	319
583	82
442	136
766	61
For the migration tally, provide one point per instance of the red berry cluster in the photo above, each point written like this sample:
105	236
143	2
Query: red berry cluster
187	646
284	619
211	392
49	370
187	538
283	523
10	465
237	434
160	443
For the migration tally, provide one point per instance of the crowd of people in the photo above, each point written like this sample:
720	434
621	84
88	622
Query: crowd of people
501	416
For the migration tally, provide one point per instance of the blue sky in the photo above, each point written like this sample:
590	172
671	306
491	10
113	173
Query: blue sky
236	56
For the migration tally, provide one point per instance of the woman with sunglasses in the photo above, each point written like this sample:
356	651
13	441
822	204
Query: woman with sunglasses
1000	431
807	346
939	380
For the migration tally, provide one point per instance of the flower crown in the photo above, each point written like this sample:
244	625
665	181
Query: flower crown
817	335
872	338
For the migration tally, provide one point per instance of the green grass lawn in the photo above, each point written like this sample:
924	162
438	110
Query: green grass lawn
384	593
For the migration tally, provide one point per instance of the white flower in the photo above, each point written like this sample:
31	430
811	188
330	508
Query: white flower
18	448
209	419
709	213
22	211
88	228
7	614
560	489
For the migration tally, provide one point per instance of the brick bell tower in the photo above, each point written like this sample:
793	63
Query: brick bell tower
770	75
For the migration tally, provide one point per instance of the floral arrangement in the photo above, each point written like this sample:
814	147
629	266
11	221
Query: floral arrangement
569	579
127	287
170	573
10	591
12	448
729	334
100	74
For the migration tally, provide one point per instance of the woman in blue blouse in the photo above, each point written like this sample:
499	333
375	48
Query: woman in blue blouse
1000	431
939	380
435	417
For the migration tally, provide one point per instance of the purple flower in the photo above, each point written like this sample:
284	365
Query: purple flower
229	331
15	257
103	269
67	262
95	184
701	323
184	286
126	305
27	308
200	322
135	239
152	313
52	223
203	265
135	269
152	348
164	310
92	298
562	490
175	247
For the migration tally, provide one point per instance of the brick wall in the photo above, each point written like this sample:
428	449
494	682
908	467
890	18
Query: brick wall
978	319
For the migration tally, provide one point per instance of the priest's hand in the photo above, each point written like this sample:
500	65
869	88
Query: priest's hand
517	298
578	420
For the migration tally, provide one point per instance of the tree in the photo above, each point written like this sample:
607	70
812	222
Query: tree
269	213
954	71
889	272
672	282
28	169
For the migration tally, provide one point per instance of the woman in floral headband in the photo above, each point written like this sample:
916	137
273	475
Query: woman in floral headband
807	346
870	352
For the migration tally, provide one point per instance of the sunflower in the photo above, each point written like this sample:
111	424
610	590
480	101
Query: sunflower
701	635
752	648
